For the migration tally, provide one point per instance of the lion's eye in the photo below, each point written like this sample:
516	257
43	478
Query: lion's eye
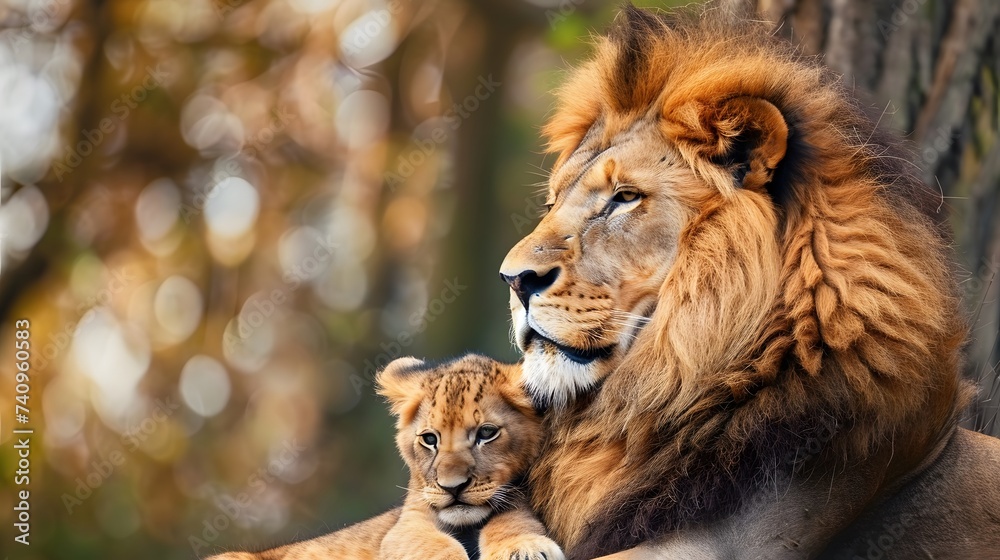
625	196
429	440
487	433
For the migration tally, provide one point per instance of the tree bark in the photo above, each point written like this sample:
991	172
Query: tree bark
934	68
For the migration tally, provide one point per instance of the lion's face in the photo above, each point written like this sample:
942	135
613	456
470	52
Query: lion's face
466	431
586	281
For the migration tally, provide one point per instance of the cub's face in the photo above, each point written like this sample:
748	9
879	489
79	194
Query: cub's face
466	430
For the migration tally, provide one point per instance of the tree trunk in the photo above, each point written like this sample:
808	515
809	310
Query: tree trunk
932	66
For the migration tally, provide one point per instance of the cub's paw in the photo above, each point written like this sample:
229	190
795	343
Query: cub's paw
526	547
450	555
426	551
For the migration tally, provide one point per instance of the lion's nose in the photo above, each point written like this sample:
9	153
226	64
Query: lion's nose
528	282
455	489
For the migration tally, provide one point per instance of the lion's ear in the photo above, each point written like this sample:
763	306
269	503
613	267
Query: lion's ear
400	384
739	141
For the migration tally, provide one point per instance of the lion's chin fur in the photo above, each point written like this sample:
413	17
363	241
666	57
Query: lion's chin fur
554	380
831	310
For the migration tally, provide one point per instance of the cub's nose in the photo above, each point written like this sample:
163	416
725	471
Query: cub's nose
528	282
453	488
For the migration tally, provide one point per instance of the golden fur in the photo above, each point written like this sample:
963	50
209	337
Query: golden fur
485	509
735	264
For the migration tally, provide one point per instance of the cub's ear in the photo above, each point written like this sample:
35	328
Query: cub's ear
739	141
511	386
400	384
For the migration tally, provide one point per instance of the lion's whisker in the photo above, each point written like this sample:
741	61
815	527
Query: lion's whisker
626	324
625	314
623	321
619	334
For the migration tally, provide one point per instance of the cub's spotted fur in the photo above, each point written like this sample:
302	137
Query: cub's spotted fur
468	433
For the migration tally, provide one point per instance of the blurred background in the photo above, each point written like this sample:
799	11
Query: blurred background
222	216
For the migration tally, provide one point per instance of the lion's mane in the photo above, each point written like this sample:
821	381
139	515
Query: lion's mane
861	340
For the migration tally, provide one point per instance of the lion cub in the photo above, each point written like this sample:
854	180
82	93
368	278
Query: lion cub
468	433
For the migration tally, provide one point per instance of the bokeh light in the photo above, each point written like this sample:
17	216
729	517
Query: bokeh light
223	216
204	385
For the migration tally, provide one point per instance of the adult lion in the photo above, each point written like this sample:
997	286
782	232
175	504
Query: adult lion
740	314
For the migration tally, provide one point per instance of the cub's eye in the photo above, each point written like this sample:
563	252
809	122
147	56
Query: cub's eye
487	433
624	196
429	440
